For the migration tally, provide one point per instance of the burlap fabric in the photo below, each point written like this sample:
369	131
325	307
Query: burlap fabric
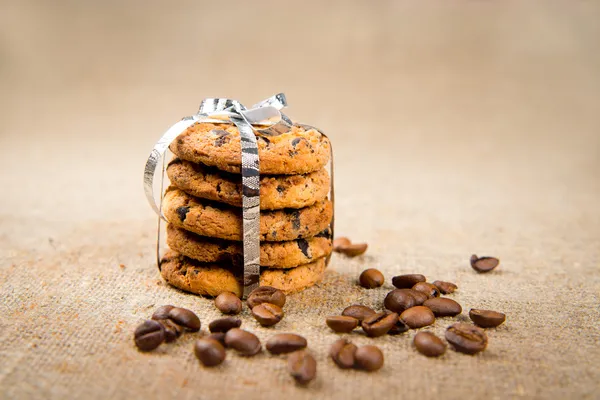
478	133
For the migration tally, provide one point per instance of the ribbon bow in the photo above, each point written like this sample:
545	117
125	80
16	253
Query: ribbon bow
264	118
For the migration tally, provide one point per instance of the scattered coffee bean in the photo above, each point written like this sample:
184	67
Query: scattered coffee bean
407	281
429	289
443	307
266	294
209	351
379	324
484	264
172	330
398	328
244	342
486	318
149	335
368	358
302	367
358	311
185	318
353	250
417	317
342	353
228	303
445	287
466	338
399	300
429	344
267	314
162	312
371	278
224	324
342	324
340	242
218	336
285	343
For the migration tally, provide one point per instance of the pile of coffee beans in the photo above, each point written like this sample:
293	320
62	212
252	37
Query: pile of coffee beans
413	304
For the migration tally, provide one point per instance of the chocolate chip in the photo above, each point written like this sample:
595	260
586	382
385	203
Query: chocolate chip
296	220
295	141
280	189
303	245
182	212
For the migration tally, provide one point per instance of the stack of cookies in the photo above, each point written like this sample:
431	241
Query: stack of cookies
203	206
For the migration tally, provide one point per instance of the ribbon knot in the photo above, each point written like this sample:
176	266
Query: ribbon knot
264	118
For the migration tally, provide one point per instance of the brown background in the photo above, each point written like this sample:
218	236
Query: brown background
458	127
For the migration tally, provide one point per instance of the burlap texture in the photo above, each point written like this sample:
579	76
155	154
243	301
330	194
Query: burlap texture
458	128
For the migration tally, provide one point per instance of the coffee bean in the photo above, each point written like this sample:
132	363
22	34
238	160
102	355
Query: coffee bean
417	317
399	300
398	328
407	281
379	324
162	312
244	342
172	330
358	311
149	335
267	314
353	250
209	351
285	343
342	324
342	353
443	307
302	367
445	287
340	242
429	344
420	297
368	358
185	318
228	303
224	324
218	336
371	278
486	318
484	264
266	294
429	289
466	338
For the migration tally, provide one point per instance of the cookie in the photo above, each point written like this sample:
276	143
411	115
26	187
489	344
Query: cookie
225	222
299	151
214	279
276	191
272	254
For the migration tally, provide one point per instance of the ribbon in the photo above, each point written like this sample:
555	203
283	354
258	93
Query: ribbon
264	118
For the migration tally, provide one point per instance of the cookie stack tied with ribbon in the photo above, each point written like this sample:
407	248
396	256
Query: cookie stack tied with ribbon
249	201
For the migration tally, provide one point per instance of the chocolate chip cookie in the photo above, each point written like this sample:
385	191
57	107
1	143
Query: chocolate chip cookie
272	254
225	222
276	191
299	151
214	279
